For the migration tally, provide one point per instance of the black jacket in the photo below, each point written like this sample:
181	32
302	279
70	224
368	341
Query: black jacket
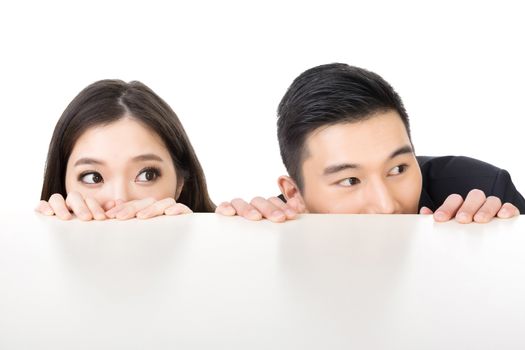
443	176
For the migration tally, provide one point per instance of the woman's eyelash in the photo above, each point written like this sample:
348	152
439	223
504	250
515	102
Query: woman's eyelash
154	170
95	177
84	173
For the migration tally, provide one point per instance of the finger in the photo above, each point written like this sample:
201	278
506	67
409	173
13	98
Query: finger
156	208
245	210
508	210
109	205
76	203
226	209
296	205
177	209
96	209
289	211
58	204
488	210
449	208
113	206
129	210
425	211
268	209
474	201
44	208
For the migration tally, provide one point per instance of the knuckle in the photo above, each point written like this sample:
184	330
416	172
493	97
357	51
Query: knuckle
477	192
257	199
455	197
56	197
494	199
170	201
149	200
238	201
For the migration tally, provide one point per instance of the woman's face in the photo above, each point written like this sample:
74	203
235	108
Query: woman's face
122	160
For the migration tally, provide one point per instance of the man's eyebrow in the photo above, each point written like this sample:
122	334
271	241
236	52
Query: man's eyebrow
146	157
340	167
88	161
403	150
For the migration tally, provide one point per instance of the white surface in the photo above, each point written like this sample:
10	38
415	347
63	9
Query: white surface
208	282
224	66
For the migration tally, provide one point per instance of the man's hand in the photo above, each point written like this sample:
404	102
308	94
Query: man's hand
475	208
273	209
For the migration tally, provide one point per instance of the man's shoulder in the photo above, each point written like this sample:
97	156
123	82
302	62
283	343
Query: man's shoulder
443	176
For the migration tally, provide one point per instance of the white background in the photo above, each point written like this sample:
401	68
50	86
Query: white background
223	67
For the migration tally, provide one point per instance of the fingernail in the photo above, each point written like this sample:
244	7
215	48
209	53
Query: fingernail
504	213
100	216
255	215
290	213
480	217
439	215
277	215
462	216
169	211
122	214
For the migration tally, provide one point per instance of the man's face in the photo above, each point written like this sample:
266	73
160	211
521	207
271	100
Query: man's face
367	167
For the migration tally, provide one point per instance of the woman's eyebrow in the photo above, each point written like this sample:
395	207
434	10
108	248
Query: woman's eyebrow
88	161
139	158
147	157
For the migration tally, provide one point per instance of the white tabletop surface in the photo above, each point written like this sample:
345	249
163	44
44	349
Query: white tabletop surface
203	281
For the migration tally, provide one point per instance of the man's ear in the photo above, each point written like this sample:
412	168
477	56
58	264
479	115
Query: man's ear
290	190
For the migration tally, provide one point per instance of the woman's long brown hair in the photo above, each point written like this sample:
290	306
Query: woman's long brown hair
107	101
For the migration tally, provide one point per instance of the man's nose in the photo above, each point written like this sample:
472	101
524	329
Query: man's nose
380	199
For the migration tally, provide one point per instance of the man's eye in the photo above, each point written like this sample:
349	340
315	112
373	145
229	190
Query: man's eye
91	178
148	175
348	182
398	169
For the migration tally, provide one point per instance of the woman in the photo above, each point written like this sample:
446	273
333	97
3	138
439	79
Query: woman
119	151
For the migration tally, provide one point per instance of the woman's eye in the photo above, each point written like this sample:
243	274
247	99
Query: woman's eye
348	182
148	175
398	169
91	178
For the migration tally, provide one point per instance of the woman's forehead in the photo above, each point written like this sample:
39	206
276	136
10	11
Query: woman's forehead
123	138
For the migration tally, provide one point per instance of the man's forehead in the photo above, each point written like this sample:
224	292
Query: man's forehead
371	139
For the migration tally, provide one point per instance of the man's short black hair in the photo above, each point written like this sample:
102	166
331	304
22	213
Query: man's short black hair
326	95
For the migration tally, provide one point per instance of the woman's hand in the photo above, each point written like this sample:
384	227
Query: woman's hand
147	208
89	209
83	208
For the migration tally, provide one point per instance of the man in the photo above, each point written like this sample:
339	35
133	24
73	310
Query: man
344	137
